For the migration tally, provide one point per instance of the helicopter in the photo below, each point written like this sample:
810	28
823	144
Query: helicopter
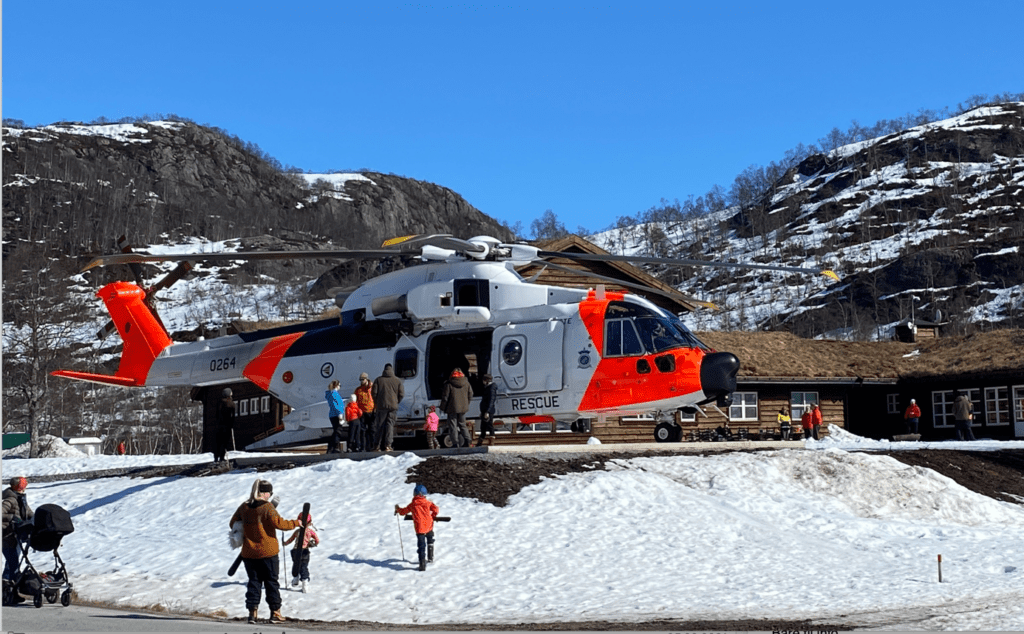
555	353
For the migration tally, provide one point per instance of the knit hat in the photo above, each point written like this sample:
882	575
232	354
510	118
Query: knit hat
457	372
352	398
309	517
19	483
419	490
265	487
226	391
364	375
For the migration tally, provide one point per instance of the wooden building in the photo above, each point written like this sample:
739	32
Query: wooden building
257	413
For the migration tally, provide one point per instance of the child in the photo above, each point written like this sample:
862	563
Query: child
423	513
300	552
431	428
354	414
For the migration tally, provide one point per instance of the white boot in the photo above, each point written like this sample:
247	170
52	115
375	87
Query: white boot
305	586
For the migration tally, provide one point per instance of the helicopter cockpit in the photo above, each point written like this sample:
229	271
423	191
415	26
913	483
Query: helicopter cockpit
633	330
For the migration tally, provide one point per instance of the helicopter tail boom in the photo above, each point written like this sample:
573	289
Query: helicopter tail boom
143	335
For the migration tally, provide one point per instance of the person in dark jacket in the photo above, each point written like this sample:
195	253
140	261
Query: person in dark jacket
455	397
16	512
260	523
336	408
225	424
487	403
963	414
388	391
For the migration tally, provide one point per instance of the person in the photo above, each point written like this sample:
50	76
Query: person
912	416
364	397
815	420
487	408
260	521
963	414
16	512
806	423
785	423
354	416
430	428
225	423
388	391
335	408
455	398
121	450
423	513
300	552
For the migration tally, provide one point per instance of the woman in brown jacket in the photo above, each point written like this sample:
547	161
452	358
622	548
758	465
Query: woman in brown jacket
260	523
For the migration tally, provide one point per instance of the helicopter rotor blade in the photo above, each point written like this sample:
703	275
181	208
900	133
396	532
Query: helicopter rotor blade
671	295
684	262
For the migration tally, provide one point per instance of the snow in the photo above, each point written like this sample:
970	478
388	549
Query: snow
824	532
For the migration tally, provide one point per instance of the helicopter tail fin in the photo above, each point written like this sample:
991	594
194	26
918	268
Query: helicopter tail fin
143	335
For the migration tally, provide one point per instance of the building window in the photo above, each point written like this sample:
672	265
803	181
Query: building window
688	418
243	407
254	405
892	403
974	396
942	408
997	406
800	402
265	404
1018	402
744	406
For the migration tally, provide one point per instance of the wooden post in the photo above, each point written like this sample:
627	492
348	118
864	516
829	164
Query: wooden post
940	568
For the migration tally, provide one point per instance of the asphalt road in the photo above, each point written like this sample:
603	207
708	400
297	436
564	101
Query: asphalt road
84	618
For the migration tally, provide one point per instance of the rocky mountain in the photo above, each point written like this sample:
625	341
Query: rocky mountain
924	223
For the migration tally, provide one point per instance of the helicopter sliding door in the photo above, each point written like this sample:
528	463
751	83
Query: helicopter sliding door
467	351
529	356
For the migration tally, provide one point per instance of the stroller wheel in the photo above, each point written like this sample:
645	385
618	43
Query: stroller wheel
38	600
51	596
65	598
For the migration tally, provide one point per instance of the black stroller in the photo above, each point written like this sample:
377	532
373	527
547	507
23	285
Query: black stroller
49	525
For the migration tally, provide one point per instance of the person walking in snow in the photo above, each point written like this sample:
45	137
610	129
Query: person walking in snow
388	392
487	409
225	425
16	512
300	552
963	414
336	407
260	523
430	428
354	416
912	416
455	397
423	513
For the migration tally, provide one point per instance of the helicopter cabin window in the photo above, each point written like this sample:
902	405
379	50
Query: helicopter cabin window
472	293
254	405
620	339
512	353
405	363
265	404
243	407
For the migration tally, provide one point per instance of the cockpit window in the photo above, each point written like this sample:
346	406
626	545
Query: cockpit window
687	334
658	334
621	339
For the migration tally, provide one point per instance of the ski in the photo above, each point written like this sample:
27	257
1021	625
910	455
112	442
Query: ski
439	518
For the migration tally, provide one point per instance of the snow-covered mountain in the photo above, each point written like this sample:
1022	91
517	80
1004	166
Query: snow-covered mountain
926	223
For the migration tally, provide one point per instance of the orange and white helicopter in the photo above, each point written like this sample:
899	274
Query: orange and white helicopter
555	353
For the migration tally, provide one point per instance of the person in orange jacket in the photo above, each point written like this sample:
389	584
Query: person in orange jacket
912	416
354	416
423	513
815	420
807	424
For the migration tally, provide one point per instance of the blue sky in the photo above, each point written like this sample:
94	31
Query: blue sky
593	111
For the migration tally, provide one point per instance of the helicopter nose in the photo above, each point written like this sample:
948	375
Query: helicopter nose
718	376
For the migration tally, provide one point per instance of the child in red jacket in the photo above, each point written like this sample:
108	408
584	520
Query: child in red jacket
354	418
423	513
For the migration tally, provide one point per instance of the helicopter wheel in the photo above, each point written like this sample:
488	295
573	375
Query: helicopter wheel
667	432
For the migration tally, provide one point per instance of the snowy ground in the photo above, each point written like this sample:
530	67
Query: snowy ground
830	535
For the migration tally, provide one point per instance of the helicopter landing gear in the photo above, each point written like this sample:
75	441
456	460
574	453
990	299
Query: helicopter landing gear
667	432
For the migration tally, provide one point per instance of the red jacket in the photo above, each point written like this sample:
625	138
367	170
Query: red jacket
805	420
913	412
352	411
423	513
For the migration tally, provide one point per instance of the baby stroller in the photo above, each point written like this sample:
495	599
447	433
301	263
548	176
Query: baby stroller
49	525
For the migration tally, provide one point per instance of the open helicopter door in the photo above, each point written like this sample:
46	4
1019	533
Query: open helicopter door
529	357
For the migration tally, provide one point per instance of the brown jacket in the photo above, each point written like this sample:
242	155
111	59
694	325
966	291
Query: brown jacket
260	522
455	395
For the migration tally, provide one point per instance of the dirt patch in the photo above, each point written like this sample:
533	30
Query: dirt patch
996	474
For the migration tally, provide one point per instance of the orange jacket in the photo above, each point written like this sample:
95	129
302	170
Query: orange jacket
913	412
352	411
364	397
423	513
805	420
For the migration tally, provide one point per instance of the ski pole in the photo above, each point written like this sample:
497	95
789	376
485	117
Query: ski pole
400	536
